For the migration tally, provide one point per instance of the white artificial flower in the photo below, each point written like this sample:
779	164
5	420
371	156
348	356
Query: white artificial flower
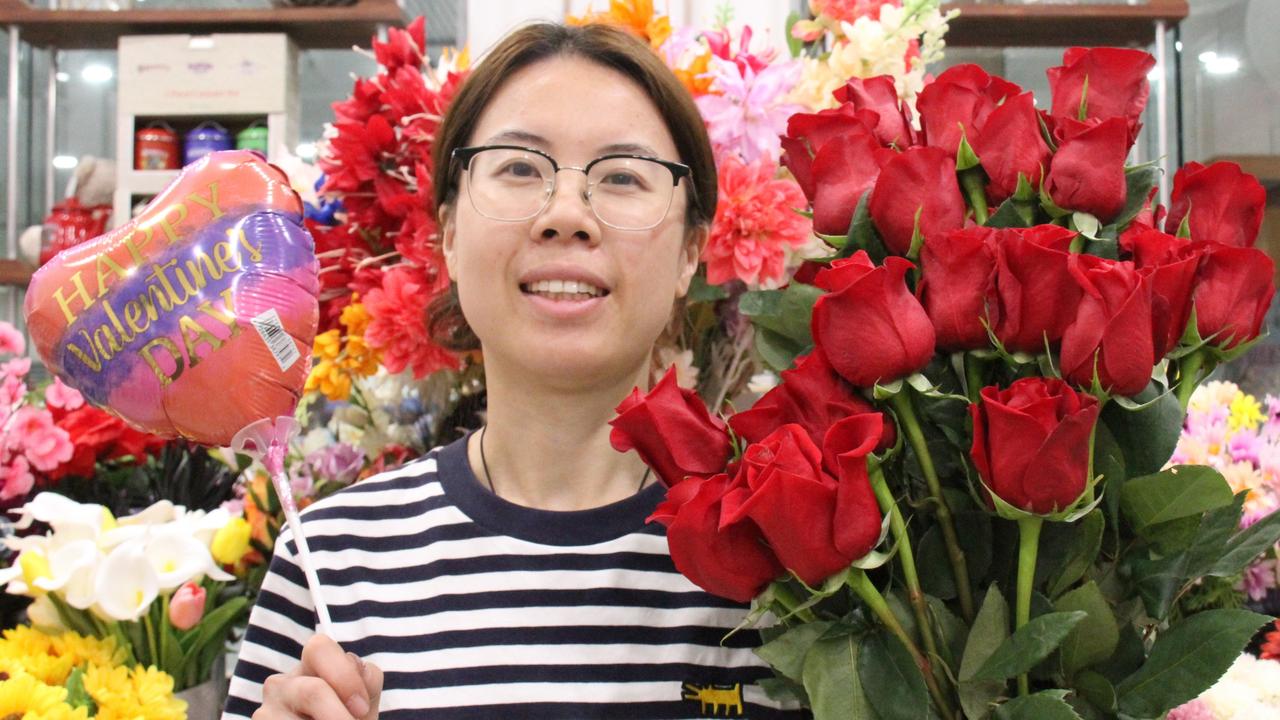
126	584
159	512
762	382
178	557
73	567
69	519
44	616
317	439
350	415
200	524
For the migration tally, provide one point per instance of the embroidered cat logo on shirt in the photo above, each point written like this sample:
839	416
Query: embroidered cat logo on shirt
714	699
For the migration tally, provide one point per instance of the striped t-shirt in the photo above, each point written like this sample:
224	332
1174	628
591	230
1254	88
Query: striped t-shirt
475	607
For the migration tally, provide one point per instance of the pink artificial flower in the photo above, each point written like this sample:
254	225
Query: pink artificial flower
1259	578
16	479
11	341
745	113
46	445
1195	710
756	220
850	10
186	607
17	367
62	396
398	320
1245	445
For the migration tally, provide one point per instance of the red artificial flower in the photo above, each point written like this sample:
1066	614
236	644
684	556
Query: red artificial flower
957	104
1087	172
957	286
725	557
99	436
671	430
1011	144
756	221
406	46
869	326
398	320
1111	336
916	190
1036	297
1220	203
1031	442
1270	649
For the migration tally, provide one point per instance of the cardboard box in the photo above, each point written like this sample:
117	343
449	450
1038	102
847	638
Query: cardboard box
223	74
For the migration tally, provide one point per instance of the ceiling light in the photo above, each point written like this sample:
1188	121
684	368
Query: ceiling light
65	162
96	73
62	76
1208	56
1222	65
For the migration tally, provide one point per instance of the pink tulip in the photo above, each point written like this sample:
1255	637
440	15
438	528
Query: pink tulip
186	607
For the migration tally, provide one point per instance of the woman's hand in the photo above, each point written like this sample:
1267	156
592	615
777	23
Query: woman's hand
328	685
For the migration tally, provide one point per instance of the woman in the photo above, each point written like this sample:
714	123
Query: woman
512	574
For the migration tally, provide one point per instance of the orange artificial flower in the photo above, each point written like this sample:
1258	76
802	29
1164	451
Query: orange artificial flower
635	16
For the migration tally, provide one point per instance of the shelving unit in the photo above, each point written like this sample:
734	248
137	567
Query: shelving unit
988	24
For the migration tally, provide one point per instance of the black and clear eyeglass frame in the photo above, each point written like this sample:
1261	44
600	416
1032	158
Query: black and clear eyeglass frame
461	158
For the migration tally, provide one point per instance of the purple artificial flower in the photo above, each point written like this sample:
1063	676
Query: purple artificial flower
1259	578
1245	445
339	463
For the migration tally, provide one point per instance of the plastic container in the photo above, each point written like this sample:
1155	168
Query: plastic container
205	138
253	137
156	147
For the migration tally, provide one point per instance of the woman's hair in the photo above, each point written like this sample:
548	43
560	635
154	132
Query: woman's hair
533	43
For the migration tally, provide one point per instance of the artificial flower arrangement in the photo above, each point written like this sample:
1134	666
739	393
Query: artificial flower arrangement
1239	436
955	503
151	582
69	676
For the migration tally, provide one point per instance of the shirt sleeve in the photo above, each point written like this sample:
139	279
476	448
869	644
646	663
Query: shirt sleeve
282	620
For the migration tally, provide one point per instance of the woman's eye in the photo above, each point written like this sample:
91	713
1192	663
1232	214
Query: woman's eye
622	179
520	169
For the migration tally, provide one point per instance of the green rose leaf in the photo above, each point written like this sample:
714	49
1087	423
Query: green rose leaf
891	680
831	680
1176	493
1047	705
1096	637
990	628
786	652
1029	645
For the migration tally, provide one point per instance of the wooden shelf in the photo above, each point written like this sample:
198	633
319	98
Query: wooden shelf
15	272
986	24
310	27
1264	167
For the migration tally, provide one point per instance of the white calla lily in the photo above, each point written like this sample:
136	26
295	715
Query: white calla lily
44	616
126	583
73	567
158	513
179	557
69	519
204	525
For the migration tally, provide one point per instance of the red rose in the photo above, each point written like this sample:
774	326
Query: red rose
1011	144
1031	442
957	104
835	158
957	286
1222	204
1105	82
816	524
869	327
672	431
1171	264
722	556
1111	334
917	187
1233	292
878	94
810	395
1087	172
1036	295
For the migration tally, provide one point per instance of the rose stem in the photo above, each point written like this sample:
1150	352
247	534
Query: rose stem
898	527
977	196
1188	372
973	377
865	589
959	568
790	603
1028	545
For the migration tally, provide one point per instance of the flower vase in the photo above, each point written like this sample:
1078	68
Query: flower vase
204	701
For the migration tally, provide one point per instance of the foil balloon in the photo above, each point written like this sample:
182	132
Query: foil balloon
196	318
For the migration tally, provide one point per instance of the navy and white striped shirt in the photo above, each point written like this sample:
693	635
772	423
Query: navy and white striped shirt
475	607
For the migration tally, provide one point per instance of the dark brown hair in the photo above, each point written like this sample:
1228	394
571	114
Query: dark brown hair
608	46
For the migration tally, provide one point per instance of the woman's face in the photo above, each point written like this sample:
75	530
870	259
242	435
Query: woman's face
574	110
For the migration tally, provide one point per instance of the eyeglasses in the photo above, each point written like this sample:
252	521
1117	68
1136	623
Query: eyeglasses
512	183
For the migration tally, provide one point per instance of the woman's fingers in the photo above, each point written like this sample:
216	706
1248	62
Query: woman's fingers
373	684
300	696
341	672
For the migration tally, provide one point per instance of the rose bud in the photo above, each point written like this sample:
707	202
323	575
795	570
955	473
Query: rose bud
869	327
1111	336
958	285
1106	82
1233	291
917	189
724	557
671	430
186	607
1221	204
1036	295
957	104
1010	144
1087	172
816	524
1031	443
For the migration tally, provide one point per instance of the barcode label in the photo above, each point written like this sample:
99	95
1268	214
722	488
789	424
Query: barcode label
281	345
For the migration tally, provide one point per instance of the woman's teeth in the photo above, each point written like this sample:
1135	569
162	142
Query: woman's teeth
563	289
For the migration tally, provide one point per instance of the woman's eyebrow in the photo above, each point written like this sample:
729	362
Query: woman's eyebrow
629	149
518	136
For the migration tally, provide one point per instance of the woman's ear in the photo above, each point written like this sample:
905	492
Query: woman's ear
448	231
694	243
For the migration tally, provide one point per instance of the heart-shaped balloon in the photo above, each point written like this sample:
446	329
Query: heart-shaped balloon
197	317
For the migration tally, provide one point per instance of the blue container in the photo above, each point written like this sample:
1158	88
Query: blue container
205	138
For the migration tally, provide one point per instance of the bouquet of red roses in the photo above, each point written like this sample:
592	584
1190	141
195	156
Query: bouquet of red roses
953	503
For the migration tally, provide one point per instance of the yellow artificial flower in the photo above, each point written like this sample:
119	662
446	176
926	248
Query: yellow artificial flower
108	685
328	344
91	650
24	696
140	694
231	541
359	358
61	711
1246	412
34	566
355	318
154	690
24	640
